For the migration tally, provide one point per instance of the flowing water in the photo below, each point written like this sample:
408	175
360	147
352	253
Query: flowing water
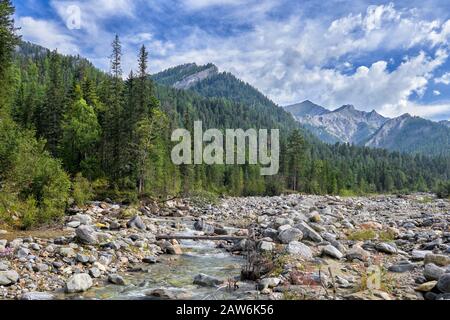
175	274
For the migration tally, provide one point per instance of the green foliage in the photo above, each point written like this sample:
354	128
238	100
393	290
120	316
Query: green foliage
82	190
362	235
443	190
37	188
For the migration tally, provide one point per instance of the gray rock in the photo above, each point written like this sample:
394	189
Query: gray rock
74	224
419	255
3	266
308	232
41	267
266	246
22	253
150	260
402	267
35	246
83	219
444	283
300	249
116	279
79	283
206	281
67	252
95	272
268	283
166	294
357	253
433	272
437	259
8	277
82	258
386	248
289	235
37	296
86	234
332	252
136	222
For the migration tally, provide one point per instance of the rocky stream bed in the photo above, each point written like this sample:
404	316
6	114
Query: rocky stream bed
287	247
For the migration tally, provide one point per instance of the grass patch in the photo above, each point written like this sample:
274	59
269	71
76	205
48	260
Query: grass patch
362	235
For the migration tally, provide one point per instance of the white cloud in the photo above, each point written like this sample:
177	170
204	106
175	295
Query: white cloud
202	4
436	92
289	59
47	34
444	79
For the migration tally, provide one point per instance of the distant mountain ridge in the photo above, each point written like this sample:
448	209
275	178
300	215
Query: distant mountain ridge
349	125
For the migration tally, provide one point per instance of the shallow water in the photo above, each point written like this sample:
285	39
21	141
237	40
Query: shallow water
176	274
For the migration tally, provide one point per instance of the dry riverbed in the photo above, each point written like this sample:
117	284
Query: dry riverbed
288	247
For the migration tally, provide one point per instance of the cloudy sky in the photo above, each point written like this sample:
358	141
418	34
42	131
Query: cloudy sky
389	56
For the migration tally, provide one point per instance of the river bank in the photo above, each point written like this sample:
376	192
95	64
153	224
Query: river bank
289	247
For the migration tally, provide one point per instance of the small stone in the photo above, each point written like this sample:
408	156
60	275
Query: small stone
402	267
433	272
8	277
332	252
37	296
82	258
357	253
386	248
443	283
136	222
266	246
22	253
300	249
95	272
41	267
419	255
308	232
268	283
165	294
116	279
427	286
438	259
67	252
206	281
150	260
86	234
74	224
79	283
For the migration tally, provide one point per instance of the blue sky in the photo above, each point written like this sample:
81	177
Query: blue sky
391	56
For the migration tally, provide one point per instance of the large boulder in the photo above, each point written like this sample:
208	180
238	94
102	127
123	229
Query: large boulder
86	234
386	248
79	283
289	235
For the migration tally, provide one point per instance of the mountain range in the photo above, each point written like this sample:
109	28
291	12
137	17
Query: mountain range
346	124
343	125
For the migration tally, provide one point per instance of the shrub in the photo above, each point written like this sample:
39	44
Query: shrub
362	235
443	190
34	187
82	191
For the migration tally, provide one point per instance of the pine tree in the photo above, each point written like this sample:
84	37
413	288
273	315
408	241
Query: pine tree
53	110
113	118
8	40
